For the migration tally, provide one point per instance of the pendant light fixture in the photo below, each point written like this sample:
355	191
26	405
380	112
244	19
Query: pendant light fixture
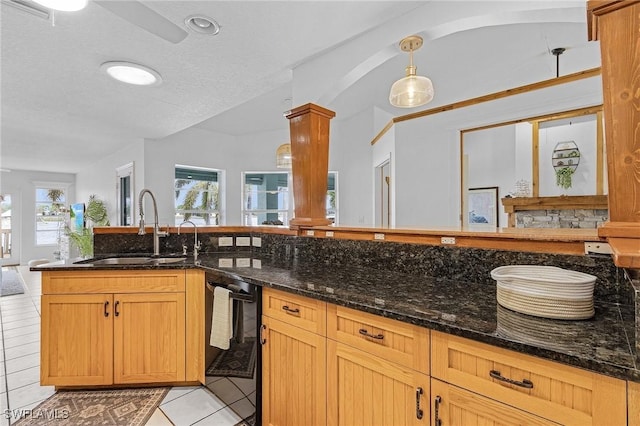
412	90
283	156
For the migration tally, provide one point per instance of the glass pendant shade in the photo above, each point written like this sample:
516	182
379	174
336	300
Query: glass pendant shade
411	91
283	156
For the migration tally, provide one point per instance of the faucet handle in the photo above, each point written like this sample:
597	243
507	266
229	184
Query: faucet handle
184	249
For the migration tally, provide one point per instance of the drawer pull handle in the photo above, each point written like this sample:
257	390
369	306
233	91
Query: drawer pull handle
292	311
106	305
365	333
436	411
115	308
419	412
528	384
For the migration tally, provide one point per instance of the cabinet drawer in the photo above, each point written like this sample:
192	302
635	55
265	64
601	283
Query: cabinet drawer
395	341
304	312
453	406
551	390
125	281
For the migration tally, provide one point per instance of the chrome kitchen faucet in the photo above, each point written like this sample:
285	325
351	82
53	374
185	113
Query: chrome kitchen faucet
156	228
196	243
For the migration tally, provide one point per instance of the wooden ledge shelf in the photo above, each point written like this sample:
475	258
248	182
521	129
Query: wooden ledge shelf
562	202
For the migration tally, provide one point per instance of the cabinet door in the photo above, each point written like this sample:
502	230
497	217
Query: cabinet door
367	390
293	375
455	406
77	340
149	337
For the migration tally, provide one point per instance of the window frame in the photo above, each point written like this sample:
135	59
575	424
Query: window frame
62	222
217	212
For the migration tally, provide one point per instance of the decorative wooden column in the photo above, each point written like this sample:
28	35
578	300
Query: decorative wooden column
615	24
309	129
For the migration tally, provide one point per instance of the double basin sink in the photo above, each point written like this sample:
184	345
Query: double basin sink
115	261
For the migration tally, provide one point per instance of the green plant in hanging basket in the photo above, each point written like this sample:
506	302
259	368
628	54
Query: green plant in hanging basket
563	177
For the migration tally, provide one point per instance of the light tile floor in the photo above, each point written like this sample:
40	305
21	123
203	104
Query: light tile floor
223	401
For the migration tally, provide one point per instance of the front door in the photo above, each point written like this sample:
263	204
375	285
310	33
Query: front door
9	229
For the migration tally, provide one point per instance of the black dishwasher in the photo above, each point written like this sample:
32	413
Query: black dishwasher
243	359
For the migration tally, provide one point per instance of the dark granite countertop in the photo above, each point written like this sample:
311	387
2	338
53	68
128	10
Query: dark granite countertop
602	344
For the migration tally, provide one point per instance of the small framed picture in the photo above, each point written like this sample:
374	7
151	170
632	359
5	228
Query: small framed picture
483	207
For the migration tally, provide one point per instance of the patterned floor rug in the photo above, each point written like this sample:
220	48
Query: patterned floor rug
126	407
238	361
11	282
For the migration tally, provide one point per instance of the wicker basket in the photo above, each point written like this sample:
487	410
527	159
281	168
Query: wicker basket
545	291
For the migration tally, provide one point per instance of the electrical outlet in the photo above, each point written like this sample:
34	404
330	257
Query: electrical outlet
225	241
310	233
243	241
378	236
448	240
599	248
329	234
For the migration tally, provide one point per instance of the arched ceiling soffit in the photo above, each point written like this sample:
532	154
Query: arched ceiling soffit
390	51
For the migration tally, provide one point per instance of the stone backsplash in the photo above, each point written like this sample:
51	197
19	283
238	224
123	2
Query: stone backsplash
459	263
570	218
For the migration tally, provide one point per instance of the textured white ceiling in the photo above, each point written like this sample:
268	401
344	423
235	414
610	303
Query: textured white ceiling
59	111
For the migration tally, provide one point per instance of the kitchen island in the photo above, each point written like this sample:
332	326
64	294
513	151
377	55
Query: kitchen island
438	308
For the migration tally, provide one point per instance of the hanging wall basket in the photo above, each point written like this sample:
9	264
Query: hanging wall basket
565	160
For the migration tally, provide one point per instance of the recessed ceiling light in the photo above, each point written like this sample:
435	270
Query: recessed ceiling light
63	5
131	73
202	24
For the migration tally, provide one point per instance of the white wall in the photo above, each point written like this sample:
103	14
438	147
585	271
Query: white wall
99	178
492	155
23	184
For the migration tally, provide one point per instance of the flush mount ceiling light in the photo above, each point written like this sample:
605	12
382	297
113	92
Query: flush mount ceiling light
63	5
202	24
412	90
128	72
283	156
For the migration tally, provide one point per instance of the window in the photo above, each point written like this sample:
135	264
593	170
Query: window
197	195
50	214
332	197
266	199
124	186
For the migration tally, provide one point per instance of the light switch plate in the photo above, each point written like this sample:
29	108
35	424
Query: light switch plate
448	240
225	241
310	232
378	236
329	234
243	241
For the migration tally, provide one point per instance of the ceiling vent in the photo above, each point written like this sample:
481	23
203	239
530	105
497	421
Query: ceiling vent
29	7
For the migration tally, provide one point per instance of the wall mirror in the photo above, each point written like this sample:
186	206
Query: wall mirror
536	159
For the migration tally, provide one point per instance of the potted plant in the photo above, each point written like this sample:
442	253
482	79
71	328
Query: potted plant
96	215
563	177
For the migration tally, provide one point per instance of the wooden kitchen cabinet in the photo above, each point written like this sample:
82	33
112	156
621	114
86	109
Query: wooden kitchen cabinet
293	375
454	406
368	390
559	393
120	327
634	403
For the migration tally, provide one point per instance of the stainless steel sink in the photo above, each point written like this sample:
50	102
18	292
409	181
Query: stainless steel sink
122	261
136	260
163	260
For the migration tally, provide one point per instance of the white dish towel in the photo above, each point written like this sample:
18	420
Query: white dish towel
221	320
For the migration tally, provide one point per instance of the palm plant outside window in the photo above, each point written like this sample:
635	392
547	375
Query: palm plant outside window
50	214
197	196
